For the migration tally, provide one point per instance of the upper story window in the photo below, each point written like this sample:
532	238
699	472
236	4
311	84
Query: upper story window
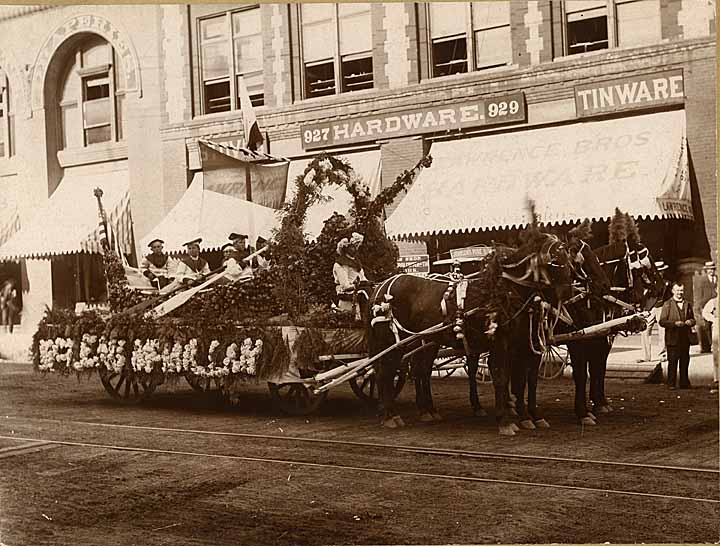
592	25
5	122
231	50
467	36
336	48
92	99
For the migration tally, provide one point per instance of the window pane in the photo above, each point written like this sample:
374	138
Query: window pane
492	47
255	88
71	126
355	29
248	54
319	80
638	23
97	88
587	35
97	134
96	112
357	74
490	14
215	28
96	55
312	13
215	61
583	5
217	97
447	18
449	57
246	23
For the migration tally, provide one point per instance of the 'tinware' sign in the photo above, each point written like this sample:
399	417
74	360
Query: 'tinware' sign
627	93
491	111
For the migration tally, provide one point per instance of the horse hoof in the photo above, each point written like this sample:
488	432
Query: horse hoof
389	423
512	404
513	399
602	409
480	412
527	424
506	430
588	421
515	427
398	421
542	423
592	416
436	416
426	417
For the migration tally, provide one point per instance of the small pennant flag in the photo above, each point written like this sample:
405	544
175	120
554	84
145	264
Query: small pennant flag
253	136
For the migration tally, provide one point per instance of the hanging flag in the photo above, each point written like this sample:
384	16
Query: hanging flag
253	136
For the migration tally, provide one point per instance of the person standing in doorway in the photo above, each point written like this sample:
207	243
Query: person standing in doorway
704	289
8	304
677	318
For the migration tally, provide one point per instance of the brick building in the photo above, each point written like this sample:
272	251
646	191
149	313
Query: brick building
124	93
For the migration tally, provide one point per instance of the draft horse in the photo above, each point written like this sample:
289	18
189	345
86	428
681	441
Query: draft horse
475	315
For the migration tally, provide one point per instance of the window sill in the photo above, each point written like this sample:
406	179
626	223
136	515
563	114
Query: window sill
95	153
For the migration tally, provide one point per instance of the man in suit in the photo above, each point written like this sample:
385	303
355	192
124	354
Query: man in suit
704	289
677	318
192	268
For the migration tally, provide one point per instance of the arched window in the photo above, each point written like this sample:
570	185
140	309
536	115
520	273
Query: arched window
6	118
91	96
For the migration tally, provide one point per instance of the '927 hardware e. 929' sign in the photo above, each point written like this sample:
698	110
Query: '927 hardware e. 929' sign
447	117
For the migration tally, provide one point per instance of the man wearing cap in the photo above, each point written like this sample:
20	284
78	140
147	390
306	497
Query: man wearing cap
654	319
704	289
241	248
157	266
192	268
233	269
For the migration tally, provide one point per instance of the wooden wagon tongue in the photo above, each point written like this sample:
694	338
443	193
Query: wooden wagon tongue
633	323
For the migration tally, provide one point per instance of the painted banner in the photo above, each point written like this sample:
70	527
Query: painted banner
419	263
629	93
581	170
446	117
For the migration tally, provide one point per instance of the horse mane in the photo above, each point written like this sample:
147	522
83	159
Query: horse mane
633	233
531	236
581	232
618	228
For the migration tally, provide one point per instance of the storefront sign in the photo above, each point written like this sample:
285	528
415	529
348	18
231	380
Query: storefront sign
418	263
470	253
480	112
628	93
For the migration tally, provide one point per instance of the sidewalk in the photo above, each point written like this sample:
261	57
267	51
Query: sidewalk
627	351
15	346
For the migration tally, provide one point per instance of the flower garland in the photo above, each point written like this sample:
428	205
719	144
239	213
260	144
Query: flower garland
249	353
56	352
146	356
88	353
112	354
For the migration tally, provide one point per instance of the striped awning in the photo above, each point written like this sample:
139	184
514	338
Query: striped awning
234	150
583	170
67	223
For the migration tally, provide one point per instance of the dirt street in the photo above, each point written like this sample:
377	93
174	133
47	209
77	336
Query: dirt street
77	468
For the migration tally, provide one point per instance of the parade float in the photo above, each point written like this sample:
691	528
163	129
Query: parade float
279	327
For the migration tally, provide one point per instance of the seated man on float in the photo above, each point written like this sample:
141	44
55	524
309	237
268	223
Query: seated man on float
192	268
233	270
157	266
349	274
242	252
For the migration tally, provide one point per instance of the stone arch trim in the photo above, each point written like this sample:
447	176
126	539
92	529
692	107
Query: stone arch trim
17	81
78	24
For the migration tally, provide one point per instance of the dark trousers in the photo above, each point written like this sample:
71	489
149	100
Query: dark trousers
678	354
704	333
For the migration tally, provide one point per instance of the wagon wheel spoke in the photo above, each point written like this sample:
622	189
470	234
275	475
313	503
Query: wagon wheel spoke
127	386
295	398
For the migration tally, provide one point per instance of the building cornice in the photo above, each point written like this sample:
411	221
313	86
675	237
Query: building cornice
13	12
